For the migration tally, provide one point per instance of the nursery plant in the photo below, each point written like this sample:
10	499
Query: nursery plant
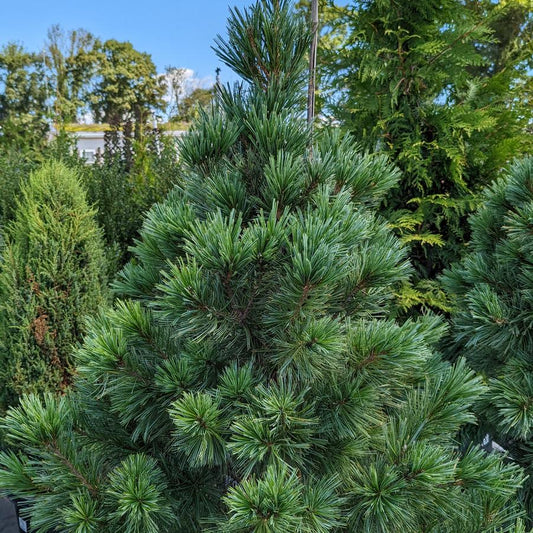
52	275
493	321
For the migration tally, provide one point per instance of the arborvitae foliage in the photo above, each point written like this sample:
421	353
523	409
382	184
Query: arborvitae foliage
493	325
251	380
51	277
424	82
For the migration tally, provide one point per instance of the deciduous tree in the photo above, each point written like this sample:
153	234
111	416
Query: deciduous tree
128	89
70	59
23	96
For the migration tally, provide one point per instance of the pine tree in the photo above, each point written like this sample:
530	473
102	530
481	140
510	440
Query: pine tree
51	276
251	378
493	324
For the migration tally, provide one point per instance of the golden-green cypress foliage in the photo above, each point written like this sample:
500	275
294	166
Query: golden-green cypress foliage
51	277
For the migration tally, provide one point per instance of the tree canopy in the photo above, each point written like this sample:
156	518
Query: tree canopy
22	98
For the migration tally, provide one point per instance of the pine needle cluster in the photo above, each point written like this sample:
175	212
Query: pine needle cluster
493	324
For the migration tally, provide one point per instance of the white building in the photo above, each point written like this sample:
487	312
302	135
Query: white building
90	144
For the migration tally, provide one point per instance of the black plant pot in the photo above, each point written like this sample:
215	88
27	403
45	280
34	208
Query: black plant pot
9	519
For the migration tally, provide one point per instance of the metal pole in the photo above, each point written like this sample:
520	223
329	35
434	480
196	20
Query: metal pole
312	63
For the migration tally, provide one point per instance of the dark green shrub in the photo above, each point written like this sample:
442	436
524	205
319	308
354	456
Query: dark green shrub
122	193
52	276
15	166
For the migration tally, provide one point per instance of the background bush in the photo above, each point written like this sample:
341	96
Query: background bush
15	167
124	190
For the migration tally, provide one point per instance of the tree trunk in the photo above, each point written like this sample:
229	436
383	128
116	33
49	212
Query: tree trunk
312	63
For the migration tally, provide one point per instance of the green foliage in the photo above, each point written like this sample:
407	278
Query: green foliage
75	72
190	106
123	192
120	193
70	59
252	48
492	322
51	276
128	88
251	378
280	502
22	98
15	166
443	88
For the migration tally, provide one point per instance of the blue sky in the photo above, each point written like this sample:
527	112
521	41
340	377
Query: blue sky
175	32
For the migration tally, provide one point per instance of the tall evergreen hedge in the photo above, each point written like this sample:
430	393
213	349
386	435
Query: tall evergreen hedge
442	88
52	275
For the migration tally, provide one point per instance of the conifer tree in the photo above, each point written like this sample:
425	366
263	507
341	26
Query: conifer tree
251	379
493	324
444	91
51	277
